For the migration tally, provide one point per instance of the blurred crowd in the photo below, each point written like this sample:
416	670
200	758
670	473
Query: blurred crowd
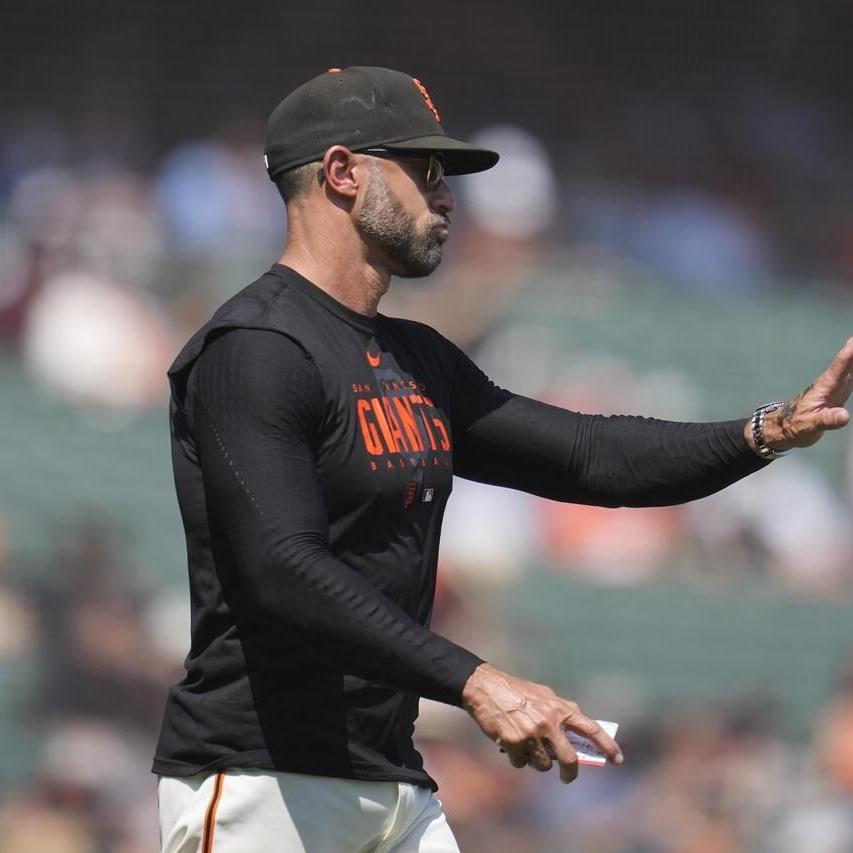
106	268
718	196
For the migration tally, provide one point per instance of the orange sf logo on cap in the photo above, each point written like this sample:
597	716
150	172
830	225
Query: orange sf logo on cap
422	89
373	360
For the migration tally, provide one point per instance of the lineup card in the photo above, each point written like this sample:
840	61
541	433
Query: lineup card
588	752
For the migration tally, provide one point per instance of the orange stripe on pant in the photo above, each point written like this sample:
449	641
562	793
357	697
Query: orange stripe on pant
210	814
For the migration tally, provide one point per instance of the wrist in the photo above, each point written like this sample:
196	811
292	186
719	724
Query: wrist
764	432
475	687
774	434
747	434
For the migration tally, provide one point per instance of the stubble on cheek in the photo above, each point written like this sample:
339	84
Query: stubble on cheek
410	252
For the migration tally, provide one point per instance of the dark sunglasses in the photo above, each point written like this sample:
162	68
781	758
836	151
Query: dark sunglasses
435	166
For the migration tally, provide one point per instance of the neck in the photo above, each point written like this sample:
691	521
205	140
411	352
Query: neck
336	260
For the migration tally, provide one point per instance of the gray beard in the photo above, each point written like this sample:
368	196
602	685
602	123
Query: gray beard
410	254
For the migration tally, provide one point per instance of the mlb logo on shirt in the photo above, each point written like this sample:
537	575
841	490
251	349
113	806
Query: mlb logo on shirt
427	498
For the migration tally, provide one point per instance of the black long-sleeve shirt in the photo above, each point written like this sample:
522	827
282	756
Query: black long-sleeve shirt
314	450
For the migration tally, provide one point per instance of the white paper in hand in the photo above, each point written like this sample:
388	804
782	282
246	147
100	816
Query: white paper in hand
588	752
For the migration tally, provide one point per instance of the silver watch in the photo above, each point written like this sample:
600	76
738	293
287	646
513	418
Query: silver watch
761	447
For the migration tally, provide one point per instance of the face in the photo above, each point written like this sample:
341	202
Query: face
405	221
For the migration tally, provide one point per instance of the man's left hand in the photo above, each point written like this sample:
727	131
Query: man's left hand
805	418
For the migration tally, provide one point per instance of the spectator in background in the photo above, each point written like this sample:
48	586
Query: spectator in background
94	342
819	817
504	241
794	517
702	242
221	215
834	739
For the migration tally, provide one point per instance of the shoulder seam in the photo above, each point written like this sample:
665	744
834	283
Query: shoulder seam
273	297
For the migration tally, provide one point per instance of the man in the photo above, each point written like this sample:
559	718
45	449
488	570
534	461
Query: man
314	443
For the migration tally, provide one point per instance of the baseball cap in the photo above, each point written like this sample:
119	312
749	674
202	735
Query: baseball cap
364	107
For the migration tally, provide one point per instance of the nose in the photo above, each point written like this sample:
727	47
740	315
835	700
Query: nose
441	199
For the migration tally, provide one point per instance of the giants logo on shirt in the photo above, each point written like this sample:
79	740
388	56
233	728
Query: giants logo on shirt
401	428
408	423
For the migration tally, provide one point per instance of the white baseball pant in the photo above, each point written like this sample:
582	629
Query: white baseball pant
243	811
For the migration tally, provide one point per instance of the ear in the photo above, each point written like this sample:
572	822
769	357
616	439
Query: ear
341	172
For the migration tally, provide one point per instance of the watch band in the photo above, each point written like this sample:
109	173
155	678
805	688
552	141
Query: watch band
761	447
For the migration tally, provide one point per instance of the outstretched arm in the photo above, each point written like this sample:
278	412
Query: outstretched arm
508	440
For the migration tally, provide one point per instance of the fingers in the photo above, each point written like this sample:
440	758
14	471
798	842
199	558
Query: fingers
811	427
528	753
592	731
839	374
842	364
540	753
516	753
538	756
802	421
550	742
565	755
834	418
529	721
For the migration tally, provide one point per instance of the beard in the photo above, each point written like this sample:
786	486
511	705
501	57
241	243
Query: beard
410	253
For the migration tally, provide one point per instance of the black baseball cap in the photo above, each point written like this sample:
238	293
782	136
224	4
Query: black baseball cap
364	107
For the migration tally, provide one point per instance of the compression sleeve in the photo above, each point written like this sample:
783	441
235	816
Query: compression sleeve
508	440
256	404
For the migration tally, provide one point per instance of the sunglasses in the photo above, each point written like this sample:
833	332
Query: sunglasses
435	165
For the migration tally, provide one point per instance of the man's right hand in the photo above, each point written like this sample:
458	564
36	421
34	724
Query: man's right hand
529	721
